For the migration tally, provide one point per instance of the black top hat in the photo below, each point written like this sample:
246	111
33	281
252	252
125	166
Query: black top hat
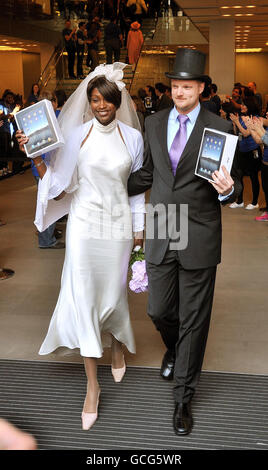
189	65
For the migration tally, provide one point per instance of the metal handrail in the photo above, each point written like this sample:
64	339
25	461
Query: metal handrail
51	65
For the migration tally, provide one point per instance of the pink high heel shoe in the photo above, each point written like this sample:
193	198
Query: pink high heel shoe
88	419
118	374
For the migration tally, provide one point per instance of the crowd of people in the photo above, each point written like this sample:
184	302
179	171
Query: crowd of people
12	158
251	159
245	106
107	8
122	30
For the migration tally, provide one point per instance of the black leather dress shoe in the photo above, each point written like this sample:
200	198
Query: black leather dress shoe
167	367
182	419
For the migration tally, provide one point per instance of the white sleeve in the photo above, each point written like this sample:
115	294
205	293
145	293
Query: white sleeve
137	203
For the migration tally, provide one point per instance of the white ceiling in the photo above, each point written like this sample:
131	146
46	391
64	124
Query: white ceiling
251	18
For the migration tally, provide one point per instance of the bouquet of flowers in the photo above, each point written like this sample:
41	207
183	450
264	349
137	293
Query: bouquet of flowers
139	279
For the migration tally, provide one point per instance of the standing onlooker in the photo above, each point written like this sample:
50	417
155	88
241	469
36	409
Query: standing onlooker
163	101
233	103
140	110
34	95
93	35
124	20
70	46
150	100
206	101
113	40
249	161
253	87
134	43
7	105
136	9
81	40
61	98
215	98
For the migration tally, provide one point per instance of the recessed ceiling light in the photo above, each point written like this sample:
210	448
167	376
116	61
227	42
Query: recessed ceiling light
250	14
252	49
11	48
225	7
250	6
226	15
237	6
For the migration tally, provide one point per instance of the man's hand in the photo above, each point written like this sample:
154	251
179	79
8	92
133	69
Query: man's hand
222	184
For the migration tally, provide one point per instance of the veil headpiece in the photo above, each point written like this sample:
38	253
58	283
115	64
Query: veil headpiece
77	109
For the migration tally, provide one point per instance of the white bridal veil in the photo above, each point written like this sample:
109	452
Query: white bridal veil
74	115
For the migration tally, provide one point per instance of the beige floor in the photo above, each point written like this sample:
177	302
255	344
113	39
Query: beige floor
238	338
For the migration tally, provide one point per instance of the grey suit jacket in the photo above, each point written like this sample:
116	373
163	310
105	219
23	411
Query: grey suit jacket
185	191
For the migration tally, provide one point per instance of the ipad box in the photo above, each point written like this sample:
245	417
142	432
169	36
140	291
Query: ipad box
216	149
39	123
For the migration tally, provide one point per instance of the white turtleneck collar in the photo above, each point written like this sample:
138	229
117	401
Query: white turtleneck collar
109	128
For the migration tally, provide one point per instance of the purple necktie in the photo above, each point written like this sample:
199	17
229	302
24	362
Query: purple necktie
178	143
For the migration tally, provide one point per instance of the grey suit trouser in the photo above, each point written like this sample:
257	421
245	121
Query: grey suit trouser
180	303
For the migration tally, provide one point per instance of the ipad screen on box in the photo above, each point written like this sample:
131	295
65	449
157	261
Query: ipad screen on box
36	125
211	154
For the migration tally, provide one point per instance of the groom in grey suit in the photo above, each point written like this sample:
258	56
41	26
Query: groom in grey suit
182	274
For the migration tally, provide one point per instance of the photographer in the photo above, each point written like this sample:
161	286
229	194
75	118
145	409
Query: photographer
7	110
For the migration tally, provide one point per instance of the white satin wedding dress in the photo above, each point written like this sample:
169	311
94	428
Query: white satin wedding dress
93	295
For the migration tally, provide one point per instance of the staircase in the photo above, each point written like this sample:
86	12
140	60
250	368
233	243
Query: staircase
69	85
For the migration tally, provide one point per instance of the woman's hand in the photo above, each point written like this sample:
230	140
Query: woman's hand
248	121
138	239
234	118
22	140
254	124
258	125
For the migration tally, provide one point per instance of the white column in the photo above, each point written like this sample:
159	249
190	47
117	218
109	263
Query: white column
222	54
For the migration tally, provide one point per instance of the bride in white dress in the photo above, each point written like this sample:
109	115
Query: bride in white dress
99	235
